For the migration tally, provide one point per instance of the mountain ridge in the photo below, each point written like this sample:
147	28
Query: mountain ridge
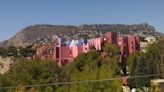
31	33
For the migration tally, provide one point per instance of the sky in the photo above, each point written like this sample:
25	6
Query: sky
18	14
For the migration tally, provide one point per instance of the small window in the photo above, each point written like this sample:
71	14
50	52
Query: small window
85	48
120	52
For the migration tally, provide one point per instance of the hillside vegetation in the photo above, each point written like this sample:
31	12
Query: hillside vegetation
87	66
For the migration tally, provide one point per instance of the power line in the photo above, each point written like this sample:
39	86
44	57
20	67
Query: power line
78	82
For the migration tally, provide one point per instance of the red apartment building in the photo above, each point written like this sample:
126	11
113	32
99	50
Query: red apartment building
127	44
111	37
65	51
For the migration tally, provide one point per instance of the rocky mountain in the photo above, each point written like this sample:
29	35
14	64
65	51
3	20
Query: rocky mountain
32	33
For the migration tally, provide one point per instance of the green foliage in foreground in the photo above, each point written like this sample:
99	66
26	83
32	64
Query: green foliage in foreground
92	68
3	51
151	62
87	66
30	73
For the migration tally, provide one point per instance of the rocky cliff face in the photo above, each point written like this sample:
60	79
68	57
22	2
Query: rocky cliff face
31	33
5	64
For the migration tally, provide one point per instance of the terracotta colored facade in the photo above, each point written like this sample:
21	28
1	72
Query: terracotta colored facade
65	52
97	43
111	37
133	44
127	44
122	42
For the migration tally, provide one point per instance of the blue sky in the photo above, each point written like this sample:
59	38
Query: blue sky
17	14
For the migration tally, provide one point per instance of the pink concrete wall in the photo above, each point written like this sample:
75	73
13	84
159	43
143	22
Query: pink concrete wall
74	50
54	53
127	45
111	37
86	47
123	44
96	42
133	43
65	52
80	49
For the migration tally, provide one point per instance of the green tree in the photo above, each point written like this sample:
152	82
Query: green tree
3	51
27	51
112	50
12	51
148	63
31	72
137	68
87	66
90	66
